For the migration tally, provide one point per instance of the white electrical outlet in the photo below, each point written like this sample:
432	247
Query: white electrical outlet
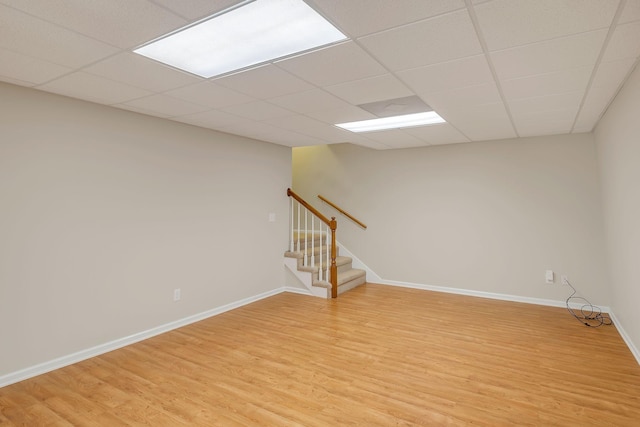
549	276
176	294
564	280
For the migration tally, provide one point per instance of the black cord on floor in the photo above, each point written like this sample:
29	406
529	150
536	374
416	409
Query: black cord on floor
589	315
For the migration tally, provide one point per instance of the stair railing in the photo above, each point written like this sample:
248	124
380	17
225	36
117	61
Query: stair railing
342	211
301	214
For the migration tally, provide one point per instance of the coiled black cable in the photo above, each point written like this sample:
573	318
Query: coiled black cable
589	315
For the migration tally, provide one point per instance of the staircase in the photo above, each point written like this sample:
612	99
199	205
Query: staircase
313	253
314	272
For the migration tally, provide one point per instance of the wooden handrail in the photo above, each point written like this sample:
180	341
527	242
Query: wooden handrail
343	212
313	210
333	225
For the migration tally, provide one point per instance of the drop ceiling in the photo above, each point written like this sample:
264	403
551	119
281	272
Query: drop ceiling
492	68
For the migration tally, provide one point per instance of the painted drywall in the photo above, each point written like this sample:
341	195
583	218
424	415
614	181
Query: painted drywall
618	140
105	212
489	216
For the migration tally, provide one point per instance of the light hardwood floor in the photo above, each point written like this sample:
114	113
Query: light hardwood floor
376	356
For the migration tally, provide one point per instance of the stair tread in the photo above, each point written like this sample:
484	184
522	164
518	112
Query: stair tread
348	276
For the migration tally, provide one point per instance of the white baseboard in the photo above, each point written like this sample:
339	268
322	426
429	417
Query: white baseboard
490	295
626	338
300	291
79	356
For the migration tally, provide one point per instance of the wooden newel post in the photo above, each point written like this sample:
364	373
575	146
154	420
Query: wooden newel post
334	253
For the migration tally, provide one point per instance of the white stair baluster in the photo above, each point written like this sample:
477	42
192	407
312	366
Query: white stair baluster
320	272
298	225
291	225
306	237
328	255
313	241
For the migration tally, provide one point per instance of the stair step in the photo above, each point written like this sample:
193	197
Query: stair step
350	275
357	278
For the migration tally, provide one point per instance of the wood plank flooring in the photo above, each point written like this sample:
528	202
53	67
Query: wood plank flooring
376	356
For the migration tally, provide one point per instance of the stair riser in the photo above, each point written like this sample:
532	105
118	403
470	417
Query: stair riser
351	284
348	277
309	246
341	263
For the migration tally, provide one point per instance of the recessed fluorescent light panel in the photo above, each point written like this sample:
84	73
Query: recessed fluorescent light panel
395	122
253	33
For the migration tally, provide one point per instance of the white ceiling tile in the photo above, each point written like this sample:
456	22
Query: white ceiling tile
464	97
395	139
373	89
544	128
546	57
210	94
335	64
631	12
612	74
292	139
481	122
624	43
332	135
360	17
569	80
308	126
252	129
470	71
375	145
309	101
297	122
587	119
402	47
258	110
34	37
569	101
117	22
426	42
166	105
213	119
15	81
93	88
30	70
265	132
604	88
485	132
141	110
442	133
264	82
139	71
508	23
599	97
341	115
193	9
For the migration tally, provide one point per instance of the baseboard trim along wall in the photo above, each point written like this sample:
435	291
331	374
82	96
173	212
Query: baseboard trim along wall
372	277
70	359
79	356
625	337
490	295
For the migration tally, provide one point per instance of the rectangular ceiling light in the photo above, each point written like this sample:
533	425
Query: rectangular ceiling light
253	33
394	122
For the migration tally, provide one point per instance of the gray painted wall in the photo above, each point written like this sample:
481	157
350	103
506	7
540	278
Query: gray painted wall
618	139
105	212
489	216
